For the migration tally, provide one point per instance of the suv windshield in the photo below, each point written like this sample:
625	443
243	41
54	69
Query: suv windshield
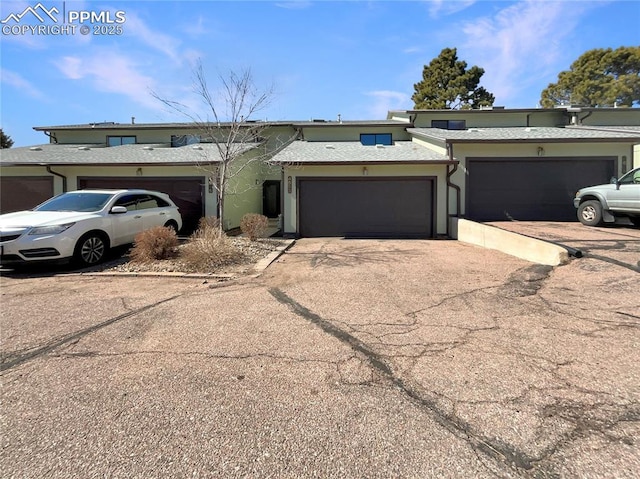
85	202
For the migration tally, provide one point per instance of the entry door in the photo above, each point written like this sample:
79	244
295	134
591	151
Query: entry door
271	198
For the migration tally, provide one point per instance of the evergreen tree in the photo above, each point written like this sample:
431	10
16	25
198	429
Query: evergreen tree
598	78
448	84
5	140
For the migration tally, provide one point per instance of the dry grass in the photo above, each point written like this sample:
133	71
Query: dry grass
254	225
209	249
154	244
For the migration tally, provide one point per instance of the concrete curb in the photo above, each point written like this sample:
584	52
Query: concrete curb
514	244
271	257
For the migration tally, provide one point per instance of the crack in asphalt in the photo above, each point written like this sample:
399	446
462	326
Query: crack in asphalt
11	360
492	447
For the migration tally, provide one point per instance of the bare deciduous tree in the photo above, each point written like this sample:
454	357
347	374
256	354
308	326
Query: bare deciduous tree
241	141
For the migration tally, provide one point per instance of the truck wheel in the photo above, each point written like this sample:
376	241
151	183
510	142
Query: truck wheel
635	220
590	213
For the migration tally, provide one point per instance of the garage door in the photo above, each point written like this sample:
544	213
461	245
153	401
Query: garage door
531	189
370	208
185	192
24	192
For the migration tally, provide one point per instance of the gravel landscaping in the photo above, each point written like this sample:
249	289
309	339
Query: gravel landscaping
247	253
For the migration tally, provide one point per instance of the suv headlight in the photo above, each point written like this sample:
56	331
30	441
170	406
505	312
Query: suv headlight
50	230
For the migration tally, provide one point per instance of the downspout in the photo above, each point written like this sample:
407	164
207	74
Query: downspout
580	120
59	175
282	196
52	137
450	184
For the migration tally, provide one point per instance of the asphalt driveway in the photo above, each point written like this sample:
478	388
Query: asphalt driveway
346	358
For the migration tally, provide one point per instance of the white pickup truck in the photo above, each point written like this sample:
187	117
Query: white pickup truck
604	203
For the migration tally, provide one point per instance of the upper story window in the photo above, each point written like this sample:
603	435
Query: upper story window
449	124
121	140
369	139
184	140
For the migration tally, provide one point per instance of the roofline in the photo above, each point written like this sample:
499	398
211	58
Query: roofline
495	109
193	125
157	126
366	162
547	140
369	123
44	163
426	136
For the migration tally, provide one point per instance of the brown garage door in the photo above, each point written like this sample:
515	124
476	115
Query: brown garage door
187	193
371	207
24	192
531	189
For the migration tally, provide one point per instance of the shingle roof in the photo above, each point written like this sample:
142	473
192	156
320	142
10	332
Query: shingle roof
622	128
349	152
516	134
91	154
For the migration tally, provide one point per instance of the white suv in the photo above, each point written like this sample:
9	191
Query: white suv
603	203
83	225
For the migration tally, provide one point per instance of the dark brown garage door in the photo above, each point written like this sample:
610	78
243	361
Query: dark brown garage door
368	208
531	189
24	192
185	192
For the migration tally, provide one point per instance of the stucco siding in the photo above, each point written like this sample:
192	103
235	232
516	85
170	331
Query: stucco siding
495	118
346	133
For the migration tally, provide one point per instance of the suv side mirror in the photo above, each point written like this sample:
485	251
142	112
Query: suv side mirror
118	210
614	181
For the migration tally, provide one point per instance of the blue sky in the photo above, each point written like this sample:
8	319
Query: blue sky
354	58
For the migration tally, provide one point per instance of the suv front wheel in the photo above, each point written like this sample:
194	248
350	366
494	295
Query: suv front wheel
590	213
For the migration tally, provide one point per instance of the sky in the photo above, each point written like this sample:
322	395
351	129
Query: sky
108	60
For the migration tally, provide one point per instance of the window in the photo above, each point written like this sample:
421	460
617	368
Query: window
120	140
140	202
150	201
184	140
368	139
128	201
449	124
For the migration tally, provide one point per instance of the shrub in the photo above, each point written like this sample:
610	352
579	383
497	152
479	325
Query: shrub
155	244
209	248
254	225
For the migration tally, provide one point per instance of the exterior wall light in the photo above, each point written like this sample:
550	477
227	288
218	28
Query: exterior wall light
289	184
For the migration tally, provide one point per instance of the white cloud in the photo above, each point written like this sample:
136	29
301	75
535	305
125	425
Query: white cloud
439	8
385	100
16	81
170	46
520	45
111	73
294	4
